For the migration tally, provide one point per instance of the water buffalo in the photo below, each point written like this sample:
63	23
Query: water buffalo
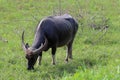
52	32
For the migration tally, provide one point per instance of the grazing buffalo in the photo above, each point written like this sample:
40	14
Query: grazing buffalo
52	32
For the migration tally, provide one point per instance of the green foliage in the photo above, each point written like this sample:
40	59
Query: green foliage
95	56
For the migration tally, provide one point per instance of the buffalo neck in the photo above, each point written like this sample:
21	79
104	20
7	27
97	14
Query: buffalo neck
38	40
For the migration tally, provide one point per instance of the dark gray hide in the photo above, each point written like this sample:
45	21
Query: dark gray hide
52	32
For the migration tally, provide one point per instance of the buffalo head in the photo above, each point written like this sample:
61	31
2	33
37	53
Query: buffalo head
32	54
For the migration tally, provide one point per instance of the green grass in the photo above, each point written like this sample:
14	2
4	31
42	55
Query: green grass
98	61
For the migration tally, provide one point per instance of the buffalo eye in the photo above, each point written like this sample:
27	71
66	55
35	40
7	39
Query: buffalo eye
28	56
27	45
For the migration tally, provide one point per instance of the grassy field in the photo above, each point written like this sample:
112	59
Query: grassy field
96	55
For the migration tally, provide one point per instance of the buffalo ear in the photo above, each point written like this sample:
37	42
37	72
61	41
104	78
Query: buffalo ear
27	46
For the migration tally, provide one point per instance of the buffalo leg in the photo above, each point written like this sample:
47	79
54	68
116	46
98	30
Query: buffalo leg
40	58
53	55
69	51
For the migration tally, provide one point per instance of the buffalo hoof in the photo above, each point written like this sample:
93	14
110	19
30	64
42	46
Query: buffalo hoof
66	60
53	63
70	57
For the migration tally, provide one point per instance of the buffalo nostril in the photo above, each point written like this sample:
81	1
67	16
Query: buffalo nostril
30	68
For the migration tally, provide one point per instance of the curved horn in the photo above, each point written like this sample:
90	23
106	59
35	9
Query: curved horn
23	43
42	47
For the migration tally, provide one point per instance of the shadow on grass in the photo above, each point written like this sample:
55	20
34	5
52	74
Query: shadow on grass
62	69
